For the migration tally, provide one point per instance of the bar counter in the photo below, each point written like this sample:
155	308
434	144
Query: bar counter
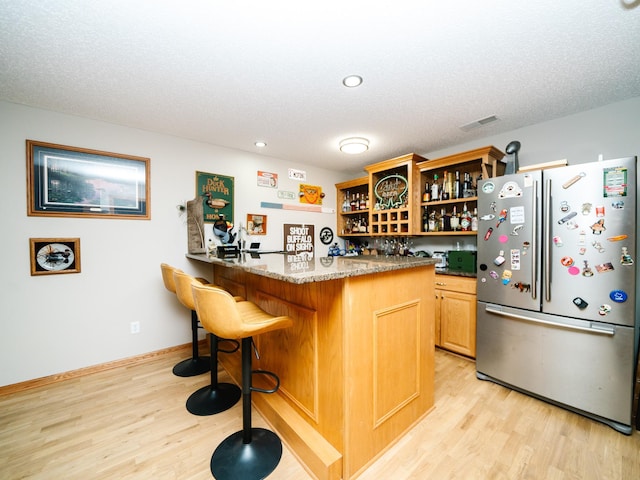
357	366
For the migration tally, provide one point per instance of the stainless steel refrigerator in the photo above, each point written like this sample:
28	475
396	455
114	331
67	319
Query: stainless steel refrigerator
557	275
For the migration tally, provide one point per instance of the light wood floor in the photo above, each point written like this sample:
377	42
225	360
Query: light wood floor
131	423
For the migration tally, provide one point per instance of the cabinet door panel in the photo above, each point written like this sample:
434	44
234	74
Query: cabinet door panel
458	322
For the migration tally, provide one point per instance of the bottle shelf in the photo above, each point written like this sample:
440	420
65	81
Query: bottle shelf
395	189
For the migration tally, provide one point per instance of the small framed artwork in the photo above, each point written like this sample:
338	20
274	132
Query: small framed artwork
54	255
256	224
68	181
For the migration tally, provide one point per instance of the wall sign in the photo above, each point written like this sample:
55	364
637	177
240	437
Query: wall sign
391	191
299	247
217	193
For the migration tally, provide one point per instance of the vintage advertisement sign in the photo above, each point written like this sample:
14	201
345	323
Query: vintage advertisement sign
216	192
299	247
267	179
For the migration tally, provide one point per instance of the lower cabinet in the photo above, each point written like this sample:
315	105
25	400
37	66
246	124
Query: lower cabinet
456	314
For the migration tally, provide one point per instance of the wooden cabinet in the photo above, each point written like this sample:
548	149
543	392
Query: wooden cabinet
455	314
482	162
352	197
393	190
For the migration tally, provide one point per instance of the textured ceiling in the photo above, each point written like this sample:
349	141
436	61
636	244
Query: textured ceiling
230	73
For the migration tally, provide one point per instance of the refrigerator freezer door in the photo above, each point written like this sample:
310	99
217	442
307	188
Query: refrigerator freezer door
586	366
509	235
589	246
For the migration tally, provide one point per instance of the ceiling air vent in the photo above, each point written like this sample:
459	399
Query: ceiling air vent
478	123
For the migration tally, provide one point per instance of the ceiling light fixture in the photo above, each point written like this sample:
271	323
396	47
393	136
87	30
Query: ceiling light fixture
352	81
260	144
354	145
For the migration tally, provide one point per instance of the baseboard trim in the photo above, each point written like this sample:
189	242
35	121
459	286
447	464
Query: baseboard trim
81	372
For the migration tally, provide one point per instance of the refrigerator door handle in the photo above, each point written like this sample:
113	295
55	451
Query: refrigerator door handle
534	244
547	242
602	330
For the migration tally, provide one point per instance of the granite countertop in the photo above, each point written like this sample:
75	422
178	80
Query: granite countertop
295	269
457	273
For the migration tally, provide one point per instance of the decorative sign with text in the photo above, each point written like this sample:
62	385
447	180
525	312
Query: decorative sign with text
216	191
298	247
267	179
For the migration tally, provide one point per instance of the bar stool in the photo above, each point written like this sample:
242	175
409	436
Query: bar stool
252	453
216	397
196	365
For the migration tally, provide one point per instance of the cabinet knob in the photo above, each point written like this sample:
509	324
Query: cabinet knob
441	283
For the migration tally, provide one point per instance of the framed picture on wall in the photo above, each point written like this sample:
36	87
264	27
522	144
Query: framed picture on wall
256	224
54	255
68	181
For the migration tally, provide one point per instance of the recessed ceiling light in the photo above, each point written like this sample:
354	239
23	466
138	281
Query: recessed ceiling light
352	81
354	145
260	144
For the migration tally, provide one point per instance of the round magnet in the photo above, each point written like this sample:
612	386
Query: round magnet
573	270
604	309
566	261
503	239
488	187
619	296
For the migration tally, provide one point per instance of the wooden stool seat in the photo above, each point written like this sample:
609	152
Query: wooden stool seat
216	397
252	453
196	365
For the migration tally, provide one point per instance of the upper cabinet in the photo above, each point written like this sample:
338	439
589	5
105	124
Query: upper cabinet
393	191
353	207
410	195
448	201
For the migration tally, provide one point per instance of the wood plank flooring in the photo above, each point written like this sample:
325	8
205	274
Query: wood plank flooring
131	423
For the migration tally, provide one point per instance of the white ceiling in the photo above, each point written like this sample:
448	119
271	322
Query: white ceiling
233	72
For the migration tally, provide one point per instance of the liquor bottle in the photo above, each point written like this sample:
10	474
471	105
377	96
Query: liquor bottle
346	206
466	186
435	195
465	220
363	203
434	223
353	202
366	203
425	221
474	220
426	196
444	195
457	186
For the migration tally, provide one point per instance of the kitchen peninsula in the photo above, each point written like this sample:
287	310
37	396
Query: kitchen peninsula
356	368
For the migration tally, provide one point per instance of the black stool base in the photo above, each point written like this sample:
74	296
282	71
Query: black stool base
192	367
209	401
235	460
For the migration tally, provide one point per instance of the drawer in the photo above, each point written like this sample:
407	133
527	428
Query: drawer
456	283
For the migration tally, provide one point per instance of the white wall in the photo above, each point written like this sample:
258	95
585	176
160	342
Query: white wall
53	324
57	323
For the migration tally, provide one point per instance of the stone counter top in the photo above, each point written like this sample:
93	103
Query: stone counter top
278	266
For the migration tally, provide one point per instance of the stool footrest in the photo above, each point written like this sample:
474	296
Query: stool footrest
270	374
236	345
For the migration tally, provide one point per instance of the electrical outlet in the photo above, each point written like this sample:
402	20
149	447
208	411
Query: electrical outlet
135	327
